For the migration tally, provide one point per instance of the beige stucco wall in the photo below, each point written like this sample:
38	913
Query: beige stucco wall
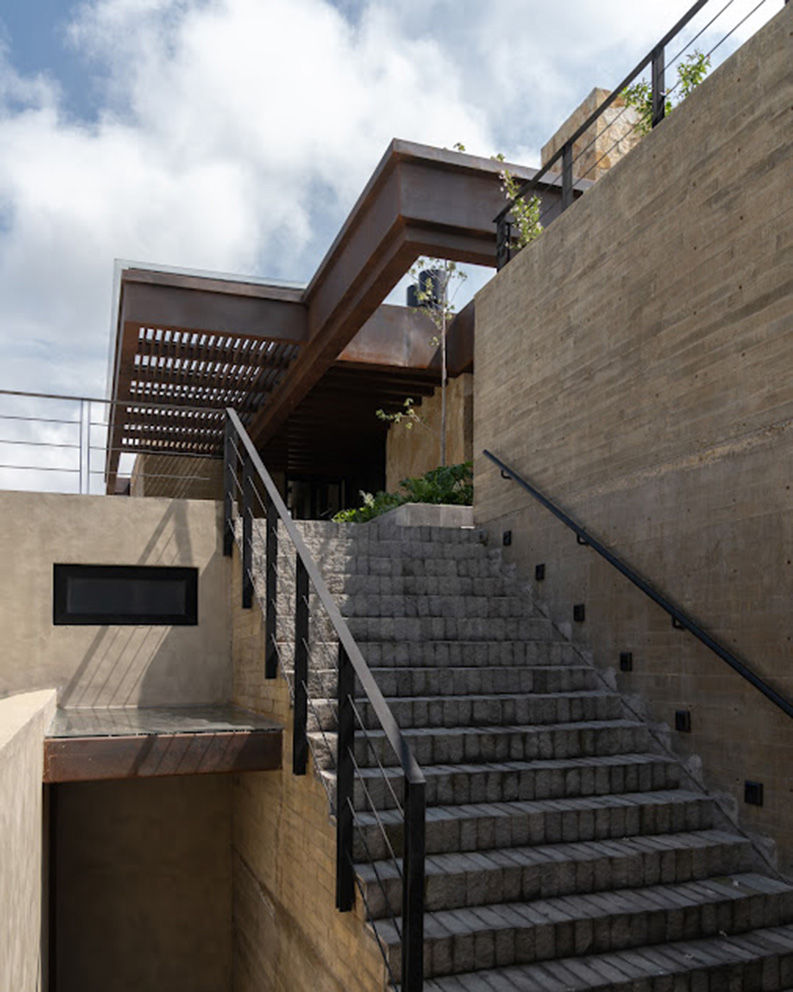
411	453
635	364
288	936
23	723
144	885
111	665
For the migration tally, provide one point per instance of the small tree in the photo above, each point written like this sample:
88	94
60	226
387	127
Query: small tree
437	282
690	73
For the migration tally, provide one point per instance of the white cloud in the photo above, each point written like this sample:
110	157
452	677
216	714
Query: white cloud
235	135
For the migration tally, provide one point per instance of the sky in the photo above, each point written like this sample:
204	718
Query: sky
235	135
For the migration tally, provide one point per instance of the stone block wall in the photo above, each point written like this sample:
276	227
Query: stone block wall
602	145
287	934
634	364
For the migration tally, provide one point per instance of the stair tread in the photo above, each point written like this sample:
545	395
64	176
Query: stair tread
539	764
505	809
616	969
497	858
597	905
503	728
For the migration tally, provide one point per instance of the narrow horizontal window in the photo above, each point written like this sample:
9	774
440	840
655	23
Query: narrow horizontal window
124	594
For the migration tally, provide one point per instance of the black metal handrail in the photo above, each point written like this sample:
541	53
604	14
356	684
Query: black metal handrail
680	618
351	663
655	58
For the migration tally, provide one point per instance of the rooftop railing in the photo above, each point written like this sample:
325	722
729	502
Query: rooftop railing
51	442
584	147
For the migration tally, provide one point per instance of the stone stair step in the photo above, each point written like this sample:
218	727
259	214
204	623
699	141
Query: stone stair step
760	961
425	585
484	826
460	681
474	711
469	939
451	629
452	745
376	605
472	566
441	653
516	781
521	874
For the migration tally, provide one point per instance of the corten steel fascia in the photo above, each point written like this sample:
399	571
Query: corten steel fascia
420	200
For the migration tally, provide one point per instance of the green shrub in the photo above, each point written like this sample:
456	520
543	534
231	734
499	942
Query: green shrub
447	484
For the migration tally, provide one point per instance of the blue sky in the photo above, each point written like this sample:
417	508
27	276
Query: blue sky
234	135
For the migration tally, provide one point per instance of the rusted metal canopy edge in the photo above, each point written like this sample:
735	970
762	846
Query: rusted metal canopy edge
90	759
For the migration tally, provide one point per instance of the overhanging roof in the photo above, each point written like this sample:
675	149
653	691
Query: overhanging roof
277	352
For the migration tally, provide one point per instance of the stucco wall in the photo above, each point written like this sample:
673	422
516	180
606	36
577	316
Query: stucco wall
23	722
635	363
411	453
111	665
144	885
288	936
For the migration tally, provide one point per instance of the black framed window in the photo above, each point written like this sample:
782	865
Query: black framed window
124	594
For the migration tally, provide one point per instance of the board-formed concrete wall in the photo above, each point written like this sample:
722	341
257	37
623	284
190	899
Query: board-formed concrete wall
143	882
111	665
635	364
411	453
23	722
287	934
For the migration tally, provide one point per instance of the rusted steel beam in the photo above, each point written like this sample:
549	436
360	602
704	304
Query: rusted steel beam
396	337
203	304
90	759
420	200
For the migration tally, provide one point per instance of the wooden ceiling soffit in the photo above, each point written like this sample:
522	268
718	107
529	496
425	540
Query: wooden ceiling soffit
420	200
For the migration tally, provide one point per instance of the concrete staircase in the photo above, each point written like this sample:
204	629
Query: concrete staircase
565	849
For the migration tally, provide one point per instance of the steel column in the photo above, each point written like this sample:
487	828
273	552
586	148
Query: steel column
228	490
247	534
345	880
271	590
413	888
299	739
567	175
659	87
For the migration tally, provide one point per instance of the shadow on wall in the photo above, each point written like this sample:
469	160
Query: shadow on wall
152	665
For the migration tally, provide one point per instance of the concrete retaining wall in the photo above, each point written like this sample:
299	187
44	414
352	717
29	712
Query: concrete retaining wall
111	665
634	363
23	722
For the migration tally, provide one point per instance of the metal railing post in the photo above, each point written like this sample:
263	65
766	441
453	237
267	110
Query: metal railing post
567	175
228	489
345	880
247	534
271	587
659	86
413	887
300	739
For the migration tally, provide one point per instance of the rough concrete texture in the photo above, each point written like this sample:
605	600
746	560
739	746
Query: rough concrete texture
144	885
288	936
111	665
411	453
602	145
634	363
23	722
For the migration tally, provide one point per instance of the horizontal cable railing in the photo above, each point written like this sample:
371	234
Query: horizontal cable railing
339	711
625	124
680	618
62	443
